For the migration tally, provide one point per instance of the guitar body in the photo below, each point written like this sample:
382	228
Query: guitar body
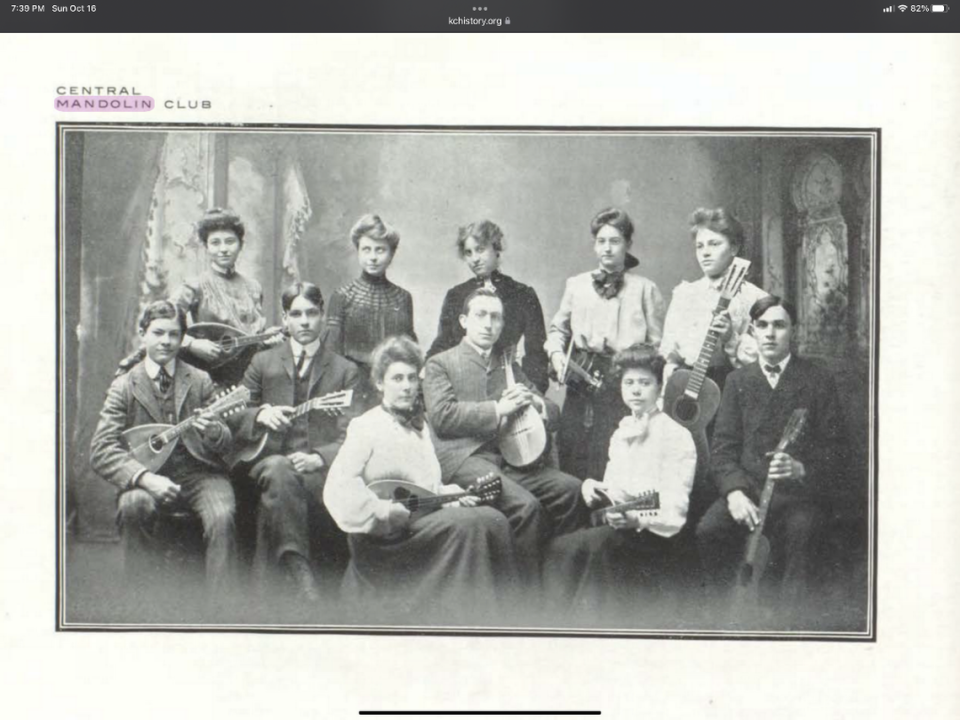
693	414
523	438
746	593
145	448
231	353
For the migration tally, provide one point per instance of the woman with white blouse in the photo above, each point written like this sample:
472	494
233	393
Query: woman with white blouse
602	312
718	237
599	569
451	565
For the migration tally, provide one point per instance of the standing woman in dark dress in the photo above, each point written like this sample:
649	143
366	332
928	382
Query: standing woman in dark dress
480	245
453	564
371	307
222	295
602	312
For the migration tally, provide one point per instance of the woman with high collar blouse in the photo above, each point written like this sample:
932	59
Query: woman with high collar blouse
602	312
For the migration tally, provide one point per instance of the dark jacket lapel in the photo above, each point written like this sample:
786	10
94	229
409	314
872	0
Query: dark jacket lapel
756	381
469	355
142	387
286	359
793	378
183	381
318	368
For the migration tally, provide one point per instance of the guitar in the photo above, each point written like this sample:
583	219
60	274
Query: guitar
746	592
588	370
331	403
152	444
420	501
235	345
523	437
648	502
691	398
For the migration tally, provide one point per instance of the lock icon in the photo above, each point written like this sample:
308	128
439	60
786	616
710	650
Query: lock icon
507	21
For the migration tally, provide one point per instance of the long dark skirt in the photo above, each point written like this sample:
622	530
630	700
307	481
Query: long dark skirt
604	574
586	426
453	566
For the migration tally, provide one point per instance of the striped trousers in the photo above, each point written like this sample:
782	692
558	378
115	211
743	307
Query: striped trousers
210	496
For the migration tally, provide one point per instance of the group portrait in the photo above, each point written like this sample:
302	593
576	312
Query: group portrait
475	380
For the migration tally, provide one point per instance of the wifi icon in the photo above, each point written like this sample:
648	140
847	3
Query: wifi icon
902	8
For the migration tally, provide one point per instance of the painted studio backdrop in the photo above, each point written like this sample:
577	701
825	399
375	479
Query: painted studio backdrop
130	198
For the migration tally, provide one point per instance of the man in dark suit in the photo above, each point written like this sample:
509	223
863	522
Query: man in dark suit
292	469
466	398
161	389
758	400
480	245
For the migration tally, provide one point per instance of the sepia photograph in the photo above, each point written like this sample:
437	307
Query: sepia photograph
523	380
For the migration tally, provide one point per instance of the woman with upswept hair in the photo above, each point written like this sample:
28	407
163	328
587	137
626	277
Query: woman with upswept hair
221	294
480	245
371	308
602	311
454	563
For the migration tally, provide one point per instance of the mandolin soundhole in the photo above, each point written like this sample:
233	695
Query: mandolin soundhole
156	443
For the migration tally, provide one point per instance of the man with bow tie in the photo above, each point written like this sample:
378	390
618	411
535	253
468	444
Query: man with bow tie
466	398
758	400
292	470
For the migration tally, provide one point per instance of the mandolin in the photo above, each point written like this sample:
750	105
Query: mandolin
420	501
584	371
691	398
523	437
152	444
235	344
331	403
746	592
647	502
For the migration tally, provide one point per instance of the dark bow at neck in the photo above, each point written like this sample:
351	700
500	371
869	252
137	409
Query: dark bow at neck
606	283
408	418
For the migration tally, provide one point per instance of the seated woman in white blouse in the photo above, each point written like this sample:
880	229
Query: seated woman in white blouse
451	565
599	569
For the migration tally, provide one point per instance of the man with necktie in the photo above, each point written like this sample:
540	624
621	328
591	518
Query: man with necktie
291	472
480	245
758	400
467	398
161	389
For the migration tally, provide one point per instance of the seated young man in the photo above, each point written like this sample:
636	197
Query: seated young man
161	389
758	400
300	448
466	398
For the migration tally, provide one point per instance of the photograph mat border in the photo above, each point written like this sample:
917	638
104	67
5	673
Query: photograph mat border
873	134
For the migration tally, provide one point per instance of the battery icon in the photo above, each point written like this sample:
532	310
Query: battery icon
939	8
